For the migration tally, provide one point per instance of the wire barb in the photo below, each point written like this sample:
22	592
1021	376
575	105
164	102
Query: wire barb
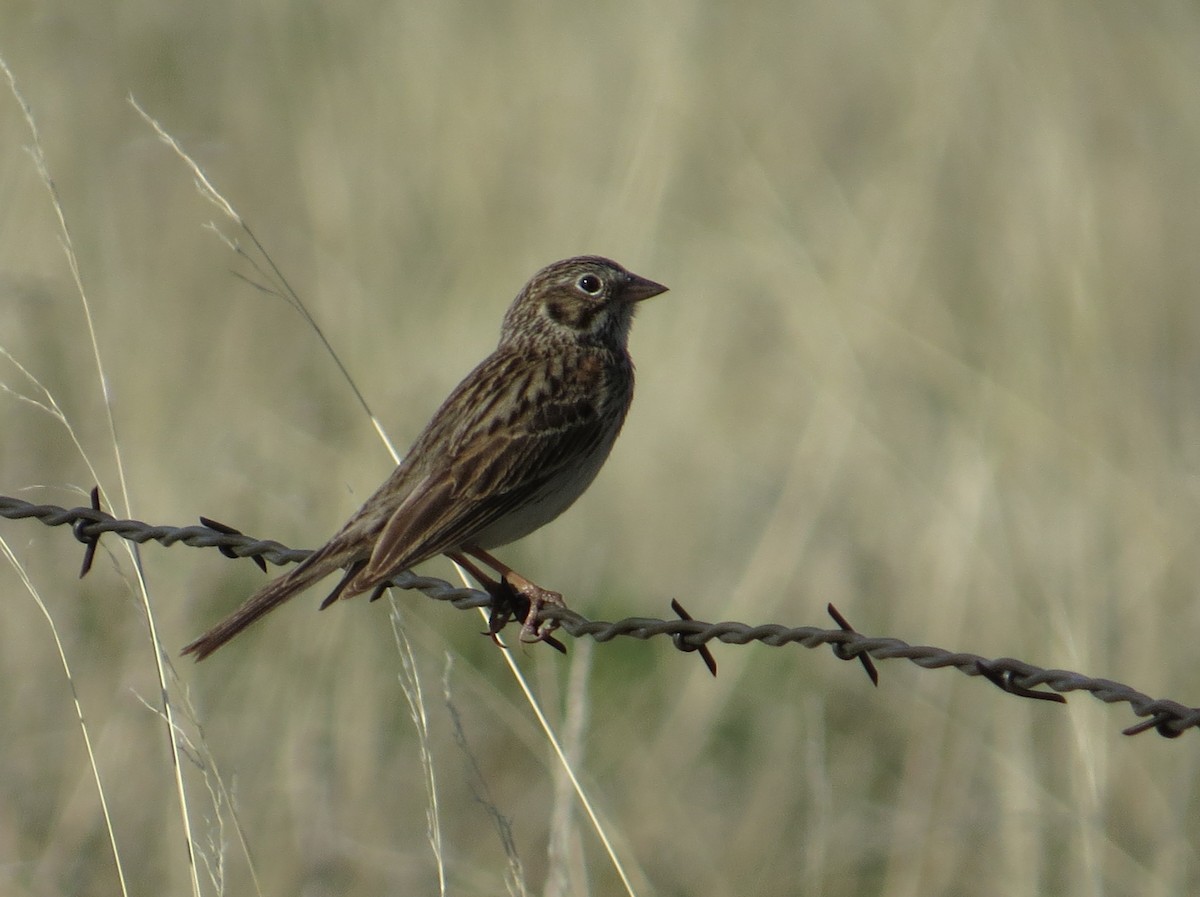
1169	718
230	531
1006	680
90	539
844	653
683	645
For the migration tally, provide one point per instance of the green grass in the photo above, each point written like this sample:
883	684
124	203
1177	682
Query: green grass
930	352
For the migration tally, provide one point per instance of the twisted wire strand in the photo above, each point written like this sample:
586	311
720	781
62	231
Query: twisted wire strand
1169	718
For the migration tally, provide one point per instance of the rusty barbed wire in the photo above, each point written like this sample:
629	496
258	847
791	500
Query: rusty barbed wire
1016	677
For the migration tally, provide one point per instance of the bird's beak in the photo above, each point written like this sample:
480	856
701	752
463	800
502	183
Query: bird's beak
639	288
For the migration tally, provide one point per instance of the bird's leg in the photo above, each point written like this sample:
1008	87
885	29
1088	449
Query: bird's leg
531	592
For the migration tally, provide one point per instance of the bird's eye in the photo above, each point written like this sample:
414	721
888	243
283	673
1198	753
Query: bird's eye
590	284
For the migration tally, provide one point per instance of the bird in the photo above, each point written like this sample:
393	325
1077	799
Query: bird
512	447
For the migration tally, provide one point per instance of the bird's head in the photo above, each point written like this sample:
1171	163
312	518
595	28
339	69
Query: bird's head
586	298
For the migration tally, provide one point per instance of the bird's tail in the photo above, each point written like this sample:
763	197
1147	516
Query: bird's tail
313	568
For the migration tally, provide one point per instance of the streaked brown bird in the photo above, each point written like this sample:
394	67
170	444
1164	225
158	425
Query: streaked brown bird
509	450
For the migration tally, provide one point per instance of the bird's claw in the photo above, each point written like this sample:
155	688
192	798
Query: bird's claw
531	630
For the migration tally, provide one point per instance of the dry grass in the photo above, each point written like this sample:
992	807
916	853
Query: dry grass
931	353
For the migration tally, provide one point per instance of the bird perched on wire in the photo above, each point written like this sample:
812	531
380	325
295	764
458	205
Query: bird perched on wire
509	450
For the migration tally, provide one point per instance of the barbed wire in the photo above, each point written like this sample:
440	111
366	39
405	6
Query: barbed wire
1016	677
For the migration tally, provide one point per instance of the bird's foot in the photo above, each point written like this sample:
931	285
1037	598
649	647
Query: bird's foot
533	598
514	597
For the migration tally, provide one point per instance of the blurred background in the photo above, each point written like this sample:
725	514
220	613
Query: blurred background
931	352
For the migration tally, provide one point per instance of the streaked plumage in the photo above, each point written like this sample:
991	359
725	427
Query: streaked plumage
509	450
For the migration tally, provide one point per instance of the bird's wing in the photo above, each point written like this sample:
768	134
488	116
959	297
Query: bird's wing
493	472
